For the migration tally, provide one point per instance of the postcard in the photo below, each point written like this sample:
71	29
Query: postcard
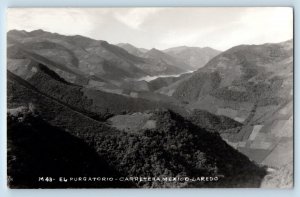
150	97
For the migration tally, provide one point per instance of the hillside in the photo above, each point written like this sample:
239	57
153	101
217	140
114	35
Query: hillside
252	84
196	57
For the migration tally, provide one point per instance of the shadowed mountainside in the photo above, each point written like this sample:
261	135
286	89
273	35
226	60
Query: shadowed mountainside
37	149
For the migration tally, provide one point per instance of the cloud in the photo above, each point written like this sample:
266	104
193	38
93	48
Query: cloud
219	28
135	17
258	26
274	24
253	26
173	38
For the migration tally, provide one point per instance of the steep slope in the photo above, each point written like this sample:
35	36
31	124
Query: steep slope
194	56
252	84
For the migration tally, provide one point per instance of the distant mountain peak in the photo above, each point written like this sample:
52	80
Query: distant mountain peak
125	44
194	56
16	31
132	49
39	32
154	50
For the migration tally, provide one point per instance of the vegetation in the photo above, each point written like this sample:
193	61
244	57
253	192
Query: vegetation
213	122
37	149
197	85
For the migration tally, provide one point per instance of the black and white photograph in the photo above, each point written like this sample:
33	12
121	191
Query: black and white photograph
150	97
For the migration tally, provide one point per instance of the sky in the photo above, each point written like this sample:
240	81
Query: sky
162	28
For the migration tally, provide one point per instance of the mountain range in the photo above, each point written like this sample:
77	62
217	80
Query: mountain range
192	58
231	117
77	57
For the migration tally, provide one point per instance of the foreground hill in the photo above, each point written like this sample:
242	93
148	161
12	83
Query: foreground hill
194	56
38	149
252	84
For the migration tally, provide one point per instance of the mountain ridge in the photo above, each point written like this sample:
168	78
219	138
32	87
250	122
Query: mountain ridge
97	58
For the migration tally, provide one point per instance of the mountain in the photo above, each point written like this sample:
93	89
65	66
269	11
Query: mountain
156	55
132	49
164	59
252	84
196	57
82	60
